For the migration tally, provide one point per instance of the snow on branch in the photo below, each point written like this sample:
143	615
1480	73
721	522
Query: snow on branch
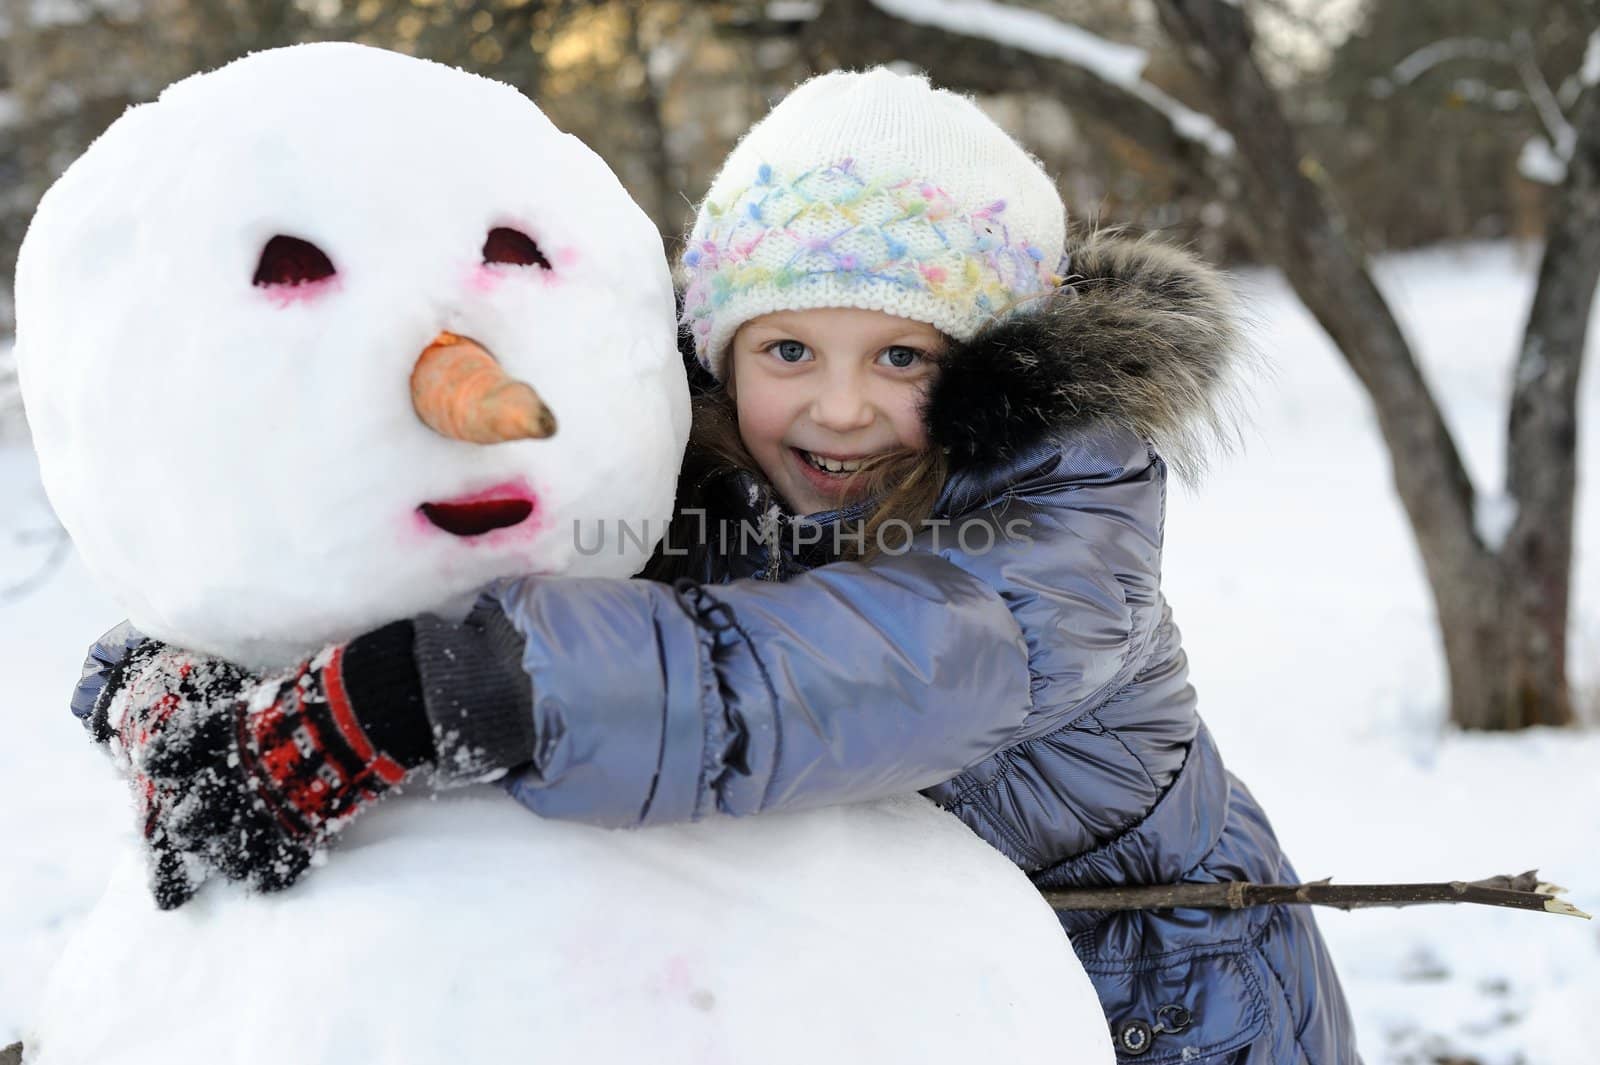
1448	50
793	10
1044	35
1032	31
1543	158
1517	54
1540	163
1556	126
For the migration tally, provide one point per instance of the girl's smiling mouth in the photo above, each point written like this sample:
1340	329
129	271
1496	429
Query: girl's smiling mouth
832	464
831	477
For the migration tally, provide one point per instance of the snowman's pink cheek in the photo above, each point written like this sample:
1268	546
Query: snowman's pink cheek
302	293
485	278
488	277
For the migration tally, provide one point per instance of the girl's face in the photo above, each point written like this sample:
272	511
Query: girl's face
820	391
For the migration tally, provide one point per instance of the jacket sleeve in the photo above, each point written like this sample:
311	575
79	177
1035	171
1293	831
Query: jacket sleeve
105	655
657	703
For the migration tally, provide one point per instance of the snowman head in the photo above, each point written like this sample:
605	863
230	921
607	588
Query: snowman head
332	336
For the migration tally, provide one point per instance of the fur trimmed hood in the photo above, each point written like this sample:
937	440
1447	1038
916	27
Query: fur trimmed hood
1139	333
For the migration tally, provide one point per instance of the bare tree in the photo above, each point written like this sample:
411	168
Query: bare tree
1502	596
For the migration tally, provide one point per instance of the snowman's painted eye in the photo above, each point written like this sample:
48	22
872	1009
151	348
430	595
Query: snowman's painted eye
512	247
292	261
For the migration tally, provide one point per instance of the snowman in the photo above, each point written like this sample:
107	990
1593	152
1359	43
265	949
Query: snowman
235	314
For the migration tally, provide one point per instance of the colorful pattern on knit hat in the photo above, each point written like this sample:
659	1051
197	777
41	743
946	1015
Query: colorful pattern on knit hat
833	237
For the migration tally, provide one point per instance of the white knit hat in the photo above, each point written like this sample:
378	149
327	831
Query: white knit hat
871	190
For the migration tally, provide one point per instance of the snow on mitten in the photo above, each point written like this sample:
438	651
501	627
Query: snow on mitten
156	687
253	783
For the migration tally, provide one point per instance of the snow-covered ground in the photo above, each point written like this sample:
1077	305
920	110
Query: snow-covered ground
1311	642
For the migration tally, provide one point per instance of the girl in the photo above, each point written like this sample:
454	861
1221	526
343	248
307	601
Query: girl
919	547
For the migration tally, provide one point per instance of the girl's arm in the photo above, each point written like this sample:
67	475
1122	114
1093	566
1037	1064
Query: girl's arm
624	702
629	702
653	703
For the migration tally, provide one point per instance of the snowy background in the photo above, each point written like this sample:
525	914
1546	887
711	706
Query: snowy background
1311	641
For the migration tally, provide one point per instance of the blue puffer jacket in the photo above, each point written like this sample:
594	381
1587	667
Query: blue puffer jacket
1019	665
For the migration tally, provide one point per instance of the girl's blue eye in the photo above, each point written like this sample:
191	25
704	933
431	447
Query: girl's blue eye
901	358
789	350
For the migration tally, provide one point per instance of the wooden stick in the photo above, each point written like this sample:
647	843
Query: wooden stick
1522	892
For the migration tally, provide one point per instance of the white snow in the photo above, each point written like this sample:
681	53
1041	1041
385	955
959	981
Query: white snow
1589	72
1494	514
466	929
793	10
1032	31
1042	34
1541	163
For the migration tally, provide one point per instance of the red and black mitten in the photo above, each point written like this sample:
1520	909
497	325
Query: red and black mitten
153	688
250	783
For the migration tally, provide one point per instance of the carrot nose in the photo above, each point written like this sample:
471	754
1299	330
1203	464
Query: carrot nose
460	391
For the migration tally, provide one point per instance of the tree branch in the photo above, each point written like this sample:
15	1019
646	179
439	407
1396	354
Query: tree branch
1545	105
1447	50
1522	892
1518	55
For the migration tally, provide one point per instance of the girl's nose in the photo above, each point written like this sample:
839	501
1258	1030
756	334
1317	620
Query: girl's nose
843	405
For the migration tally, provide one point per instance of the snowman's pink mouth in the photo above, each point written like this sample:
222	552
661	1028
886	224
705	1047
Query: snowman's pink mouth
499	507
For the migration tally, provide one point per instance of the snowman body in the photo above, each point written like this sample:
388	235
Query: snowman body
229	439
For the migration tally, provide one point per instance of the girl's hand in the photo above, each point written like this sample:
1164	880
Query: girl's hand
153	689
249	777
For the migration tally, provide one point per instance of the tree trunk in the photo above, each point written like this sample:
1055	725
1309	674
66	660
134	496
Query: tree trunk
1500	671
1541	445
